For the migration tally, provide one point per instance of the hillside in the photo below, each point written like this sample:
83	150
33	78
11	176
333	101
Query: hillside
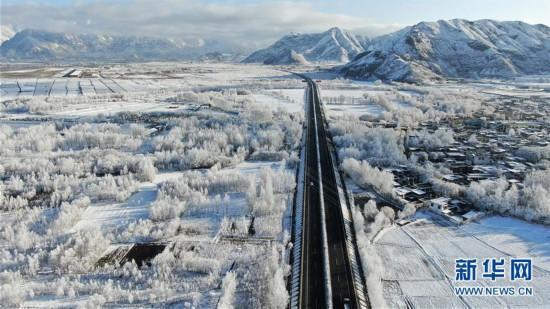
456	48
333	45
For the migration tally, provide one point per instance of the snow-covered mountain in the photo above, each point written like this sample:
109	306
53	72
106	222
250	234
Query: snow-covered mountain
6	32
44	45
333	45
455	48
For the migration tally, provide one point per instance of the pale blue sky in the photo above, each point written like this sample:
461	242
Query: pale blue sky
258	21
412	11
396	11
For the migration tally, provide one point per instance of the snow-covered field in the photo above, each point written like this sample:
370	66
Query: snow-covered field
13	88
418	261
119	215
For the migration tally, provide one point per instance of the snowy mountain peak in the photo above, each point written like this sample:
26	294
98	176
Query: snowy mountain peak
333	45
336	31
456	48
6	32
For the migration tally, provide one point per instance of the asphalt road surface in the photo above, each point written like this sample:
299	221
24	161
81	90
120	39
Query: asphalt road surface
312	287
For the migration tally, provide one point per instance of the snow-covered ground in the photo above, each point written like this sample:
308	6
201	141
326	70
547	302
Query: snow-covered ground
119	215
418	260
343	110
288	103
201	158
198	157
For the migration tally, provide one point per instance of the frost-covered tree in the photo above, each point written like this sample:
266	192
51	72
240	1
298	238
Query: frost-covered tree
79	253
536	195
446	188
497	195
275	292
378	146
229	285
68	215
371	262
439	138
146	169
365	175
408	211
166	207
370	210
111	188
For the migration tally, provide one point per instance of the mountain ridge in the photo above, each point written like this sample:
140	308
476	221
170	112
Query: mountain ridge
46	45
334	45
455	48
426	51
7	32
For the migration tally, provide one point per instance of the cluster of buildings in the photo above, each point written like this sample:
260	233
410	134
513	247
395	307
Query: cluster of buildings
484	148
409	187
